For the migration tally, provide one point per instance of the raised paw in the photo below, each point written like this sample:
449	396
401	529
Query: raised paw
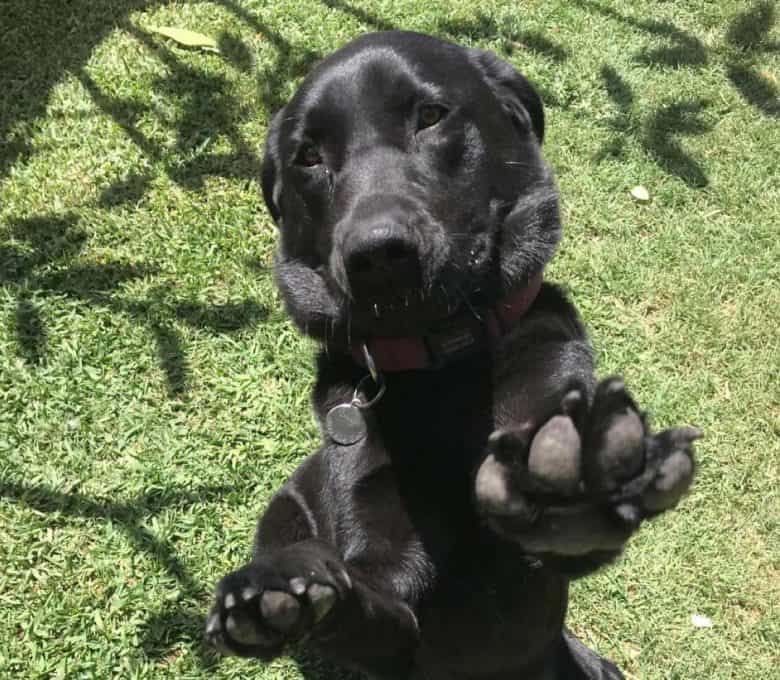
583	479
274	600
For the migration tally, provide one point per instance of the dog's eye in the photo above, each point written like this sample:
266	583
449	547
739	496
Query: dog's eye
308	155
429	115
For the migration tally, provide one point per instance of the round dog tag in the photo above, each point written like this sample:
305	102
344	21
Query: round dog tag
345	424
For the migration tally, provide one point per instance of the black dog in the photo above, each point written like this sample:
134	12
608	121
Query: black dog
461	486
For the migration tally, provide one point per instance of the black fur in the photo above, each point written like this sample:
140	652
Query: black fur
407	181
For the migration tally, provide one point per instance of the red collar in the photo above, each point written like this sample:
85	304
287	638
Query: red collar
462	335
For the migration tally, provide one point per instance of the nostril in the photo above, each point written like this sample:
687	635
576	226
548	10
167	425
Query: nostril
396	250
360	264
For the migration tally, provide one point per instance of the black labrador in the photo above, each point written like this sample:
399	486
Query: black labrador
471	465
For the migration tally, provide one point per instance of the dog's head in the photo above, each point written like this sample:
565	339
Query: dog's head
406	178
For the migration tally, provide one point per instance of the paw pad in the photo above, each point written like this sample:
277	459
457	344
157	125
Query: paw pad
555	458
281	610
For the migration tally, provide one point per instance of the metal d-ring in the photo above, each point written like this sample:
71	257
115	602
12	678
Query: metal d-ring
370	365
373	375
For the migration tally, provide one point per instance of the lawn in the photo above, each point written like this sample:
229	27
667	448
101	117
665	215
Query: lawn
153	394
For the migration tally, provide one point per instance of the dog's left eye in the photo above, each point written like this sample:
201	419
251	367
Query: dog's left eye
308	155
429	115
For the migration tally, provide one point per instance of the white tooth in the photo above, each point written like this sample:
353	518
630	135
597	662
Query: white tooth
230	601
376	310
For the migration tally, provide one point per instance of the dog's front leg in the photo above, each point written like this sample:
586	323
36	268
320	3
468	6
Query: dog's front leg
299	587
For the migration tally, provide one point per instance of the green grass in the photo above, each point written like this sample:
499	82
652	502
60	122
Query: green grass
153	394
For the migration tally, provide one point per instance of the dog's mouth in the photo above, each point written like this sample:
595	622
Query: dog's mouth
405	312
410	304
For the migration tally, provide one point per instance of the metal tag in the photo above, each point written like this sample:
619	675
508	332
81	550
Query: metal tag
345	424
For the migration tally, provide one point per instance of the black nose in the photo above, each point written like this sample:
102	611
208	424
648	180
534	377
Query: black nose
381	255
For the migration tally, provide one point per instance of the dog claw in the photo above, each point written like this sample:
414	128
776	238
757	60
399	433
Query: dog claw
298	585
571	401
629	514
685	435
249	593
212	625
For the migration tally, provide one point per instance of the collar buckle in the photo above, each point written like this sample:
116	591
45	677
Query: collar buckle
462	337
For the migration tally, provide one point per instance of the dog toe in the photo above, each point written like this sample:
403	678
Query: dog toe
322	599
672	481
555	460
495	492
619	453
280	610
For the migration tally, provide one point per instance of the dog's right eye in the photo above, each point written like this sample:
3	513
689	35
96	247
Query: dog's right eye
429	115
308	155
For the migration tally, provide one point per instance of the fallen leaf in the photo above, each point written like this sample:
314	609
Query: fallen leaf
640	194
187	38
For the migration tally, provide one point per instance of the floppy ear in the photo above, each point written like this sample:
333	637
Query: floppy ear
517	96
271	177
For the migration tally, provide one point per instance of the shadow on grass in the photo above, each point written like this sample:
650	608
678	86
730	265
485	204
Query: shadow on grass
42	41
660	139
173	625
621	94
658	135
682	48
45	264
748	36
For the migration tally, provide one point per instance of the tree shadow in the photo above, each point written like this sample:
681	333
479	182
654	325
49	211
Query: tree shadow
512	43
208	111
375	22
30	331
748	36
130	189
47	40
484	27
621	94
756	89
172	625
659	139
176	623
45	264
685	49
42	41
275	82
750	29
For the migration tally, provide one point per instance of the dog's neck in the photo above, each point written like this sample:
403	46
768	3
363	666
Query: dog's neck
459	336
